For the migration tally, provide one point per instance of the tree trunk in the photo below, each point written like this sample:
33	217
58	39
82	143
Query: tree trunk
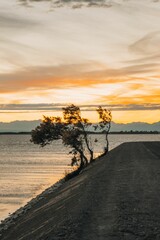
107	142
87	144
84	160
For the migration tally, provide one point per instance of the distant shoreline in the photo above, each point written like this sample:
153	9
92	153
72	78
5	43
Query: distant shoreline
122	132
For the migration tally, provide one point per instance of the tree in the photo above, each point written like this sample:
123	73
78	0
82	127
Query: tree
105	117
72	116
72	137
49	130
72	130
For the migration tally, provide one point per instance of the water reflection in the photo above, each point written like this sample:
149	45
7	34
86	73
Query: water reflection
26	169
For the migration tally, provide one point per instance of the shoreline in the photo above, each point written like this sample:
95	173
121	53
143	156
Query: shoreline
115	197
9	221
110	133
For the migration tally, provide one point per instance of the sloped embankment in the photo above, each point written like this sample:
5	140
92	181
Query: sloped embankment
115	198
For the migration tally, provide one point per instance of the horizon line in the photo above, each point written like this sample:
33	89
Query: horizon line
114	122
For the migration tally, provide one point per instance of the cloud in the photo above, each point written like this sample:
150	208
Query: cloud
150	99
144	60
67	76
50	77
24	107
127	71
13	21
79	3
72	3
13	51
71	75
18	108
148	45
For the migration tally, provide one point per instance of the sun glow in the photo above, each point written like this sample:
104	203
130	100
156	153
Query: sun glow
90	56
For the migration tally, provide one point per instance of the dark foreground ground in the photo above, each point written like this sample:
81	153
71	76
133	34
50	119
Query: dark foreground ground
118	197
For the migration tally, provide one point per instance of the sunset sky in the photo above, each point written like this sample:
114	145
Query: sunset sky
86	52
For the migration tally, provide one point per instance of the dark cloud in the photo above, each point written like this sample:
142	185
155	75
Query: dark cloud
25	107
78	3
58	107
72	3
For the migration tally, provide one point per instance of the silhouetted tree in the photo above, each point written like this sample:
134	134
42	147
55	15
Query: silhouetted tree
49	130
72	116
72	130
105	117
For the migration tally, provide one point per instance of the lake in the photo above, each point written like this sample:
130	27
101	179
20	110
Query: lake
26	169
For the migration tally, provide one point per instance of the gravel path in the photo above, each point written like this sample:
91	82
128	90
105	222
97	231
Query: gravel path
115	198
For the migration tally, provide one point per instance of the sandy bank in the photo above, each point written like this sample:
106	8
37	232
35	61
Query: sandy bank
115	198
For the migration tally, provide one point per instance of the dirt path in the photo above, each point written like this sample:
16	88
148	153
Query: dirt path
118	197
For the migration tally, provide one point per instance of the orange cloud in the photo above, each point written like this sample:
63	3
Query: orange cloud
136	86
153	97
66	76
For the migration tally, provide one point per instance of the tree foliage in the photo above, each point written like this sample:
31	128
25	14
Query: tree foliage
73	131
49	130
72	117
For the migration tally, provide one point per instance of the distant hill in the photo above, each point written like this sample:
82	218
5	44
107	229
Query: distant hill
27	126
18	126
135	126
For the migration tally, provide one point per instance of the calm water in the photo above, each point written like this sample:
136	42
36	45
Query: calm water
26	169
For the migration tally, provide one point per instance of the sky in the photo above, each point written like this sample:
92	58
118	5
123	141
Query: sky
86	52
